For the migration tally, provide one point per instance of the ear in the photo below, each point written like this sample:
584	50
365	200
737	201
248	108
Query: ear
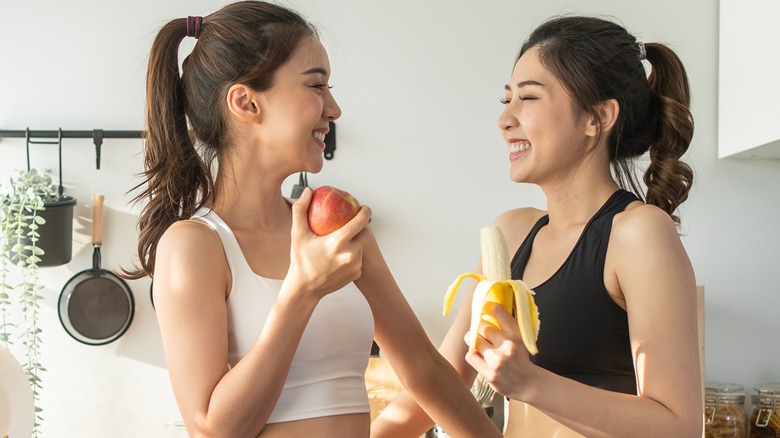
242	103
607	112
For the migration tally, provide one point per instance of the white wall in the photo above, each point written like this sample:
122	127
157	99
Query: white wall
419	84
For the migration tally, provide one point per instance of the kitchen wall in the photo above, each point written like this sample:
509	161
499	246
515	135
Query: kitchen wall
419	84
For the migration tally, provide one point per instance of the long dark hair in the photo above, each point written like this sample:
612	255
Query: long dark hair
244	42
597	60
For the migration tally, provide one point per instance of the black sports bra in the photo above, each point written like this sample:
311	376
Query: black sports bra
583	333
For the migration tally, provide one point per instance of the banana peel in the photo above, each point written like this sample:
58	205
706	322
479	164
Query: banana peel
497	286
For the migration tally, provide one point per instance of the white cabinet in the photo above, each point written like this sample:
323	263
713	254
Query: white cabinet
749	79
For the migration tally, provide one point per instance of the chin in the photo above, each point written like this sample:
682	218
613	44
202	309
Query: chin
521	174
517	177
312	163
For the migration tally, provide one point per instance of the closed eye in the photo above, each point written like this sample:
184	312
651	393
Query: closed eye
506	101
521	87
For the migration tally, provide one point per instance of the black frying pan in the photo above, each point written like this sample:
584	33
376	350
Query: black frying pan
96	306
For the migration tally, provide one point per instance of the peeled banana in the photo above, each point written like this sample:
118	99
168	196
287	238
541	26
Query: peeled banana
496	285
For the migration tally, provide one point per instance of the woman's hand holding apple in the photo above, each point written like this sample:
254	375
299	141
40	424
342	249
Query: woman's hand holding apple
322	264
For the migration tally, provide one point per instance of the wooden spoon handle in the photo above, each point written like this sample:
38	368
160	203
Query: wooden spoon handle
97	220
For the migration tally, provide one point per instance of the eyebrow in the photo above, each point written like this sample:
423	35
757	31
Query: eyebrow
524	84
316	71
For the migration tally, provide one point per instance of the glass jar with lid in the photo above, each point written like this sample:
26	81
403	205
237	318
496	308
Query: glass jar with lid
765	412
724	410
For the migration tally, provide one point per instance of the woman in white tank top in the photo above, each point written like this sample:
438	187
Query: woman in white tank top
267	327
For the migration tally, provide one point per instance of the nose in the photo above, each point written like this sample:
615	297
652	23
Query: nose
506	120
331	110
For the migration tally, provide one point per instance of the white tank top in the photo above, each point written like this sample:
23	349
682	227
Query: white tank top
327	374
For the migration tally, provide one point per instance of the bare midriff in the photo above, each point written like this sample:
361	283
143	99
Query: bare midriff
345	426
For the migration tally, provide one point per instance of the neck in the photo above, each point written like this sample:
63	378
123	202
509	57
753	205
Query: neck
575	207
573	200
250	198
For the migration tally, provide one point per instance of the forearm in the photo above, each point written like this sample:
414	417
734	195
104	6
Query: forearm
599	413
404	417
425	374
447	400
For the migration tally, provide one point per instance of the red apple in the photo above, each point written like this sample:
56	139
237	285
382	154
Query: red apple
330	209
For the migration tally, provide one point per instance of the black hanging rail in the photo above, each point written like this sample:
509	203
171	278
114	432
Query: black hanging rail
97	136
70	134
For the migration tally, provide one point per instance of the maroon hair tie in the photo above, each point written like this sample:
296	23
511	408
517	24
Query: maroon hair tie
193	26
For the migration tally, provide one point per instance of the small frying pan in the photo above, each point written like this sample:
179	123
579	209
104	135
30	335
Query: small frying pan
96	306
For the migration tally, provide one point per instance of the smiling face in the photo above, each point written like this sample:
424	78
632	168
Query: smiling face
297	108
545	136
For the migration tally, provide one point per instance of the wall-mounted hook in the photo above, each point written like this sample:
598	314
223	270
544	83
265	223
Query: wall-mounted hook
59	147
97	138
27	144
330	141
28	140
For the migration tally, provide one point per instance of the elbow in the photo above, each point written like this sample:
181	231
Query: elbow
689	424
211	433
695	425
199	428
219	421
207	429
694	421
694	429
698	430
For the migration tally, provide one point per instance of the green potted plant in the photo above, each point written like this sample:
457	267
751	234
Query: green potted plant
24	201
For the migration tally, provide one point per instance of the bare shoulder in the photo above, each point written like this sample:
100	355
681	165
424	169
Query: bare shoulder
190	253
643	223
188	238
645	249
517	223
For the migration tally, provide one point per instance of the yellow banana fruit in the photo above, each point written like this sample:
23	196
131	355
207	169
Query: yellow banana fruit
496	285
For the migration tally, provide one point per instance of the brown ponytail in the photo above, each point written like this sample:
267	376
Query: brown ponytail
174	173
244	42
668	179
597	60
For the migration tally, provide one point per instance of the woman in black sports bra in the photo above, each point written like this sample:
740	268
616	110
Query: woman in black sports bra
618	343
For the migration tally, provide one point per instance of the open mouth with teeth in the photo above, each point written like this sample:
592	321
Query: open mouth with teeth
318	136
518	146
